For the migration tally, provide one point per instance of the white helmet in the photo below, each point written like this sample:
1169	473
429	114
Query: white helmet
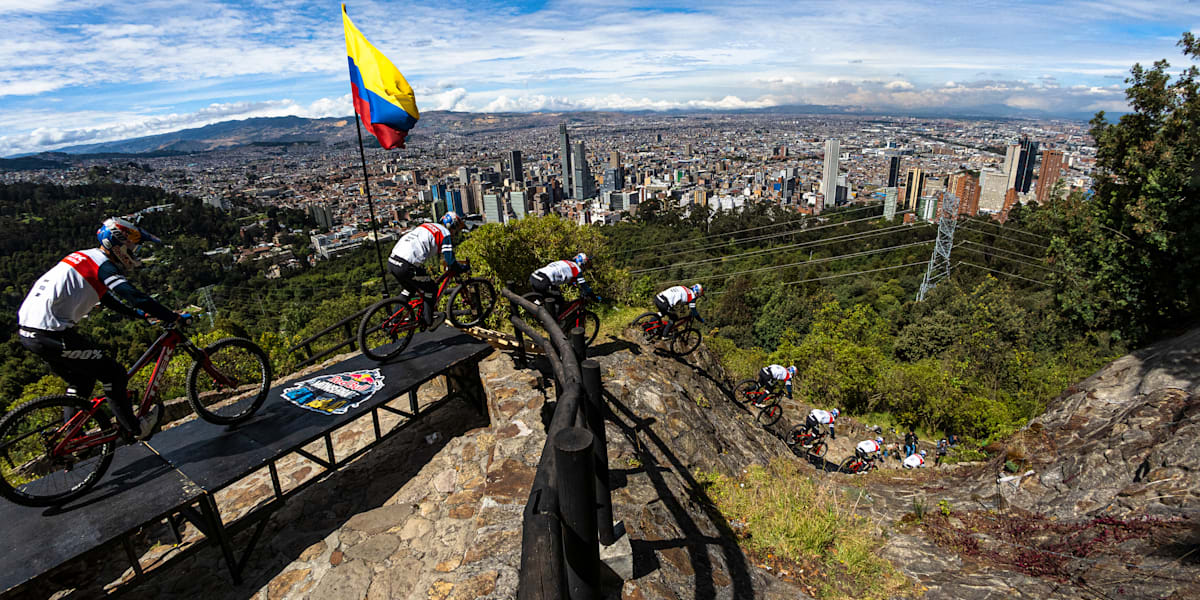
120	237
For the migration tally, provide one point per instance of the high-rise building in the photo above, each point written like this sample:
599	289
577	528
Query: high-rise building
516	173
581	177
1050	173
321	214
516	200
992	187
454	201
889	203
830	173
966	187
493	208
893	171
565	157
914	188
464	176
1023	179
614	160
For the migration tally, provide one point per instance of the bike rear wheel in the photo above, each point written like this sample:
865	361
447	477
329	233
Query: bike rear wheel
850	466
743	391
471	302
769	414
231	384
29	472
818	449
648	325
588	320
685	342
387	328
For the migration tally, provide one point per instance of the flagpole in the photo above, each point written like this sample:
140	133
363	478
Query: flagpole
371	204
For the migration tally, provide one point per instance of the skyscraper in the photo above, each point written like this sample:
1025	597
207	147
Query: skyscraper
992	188
516	173
614	160
517	201
1023	178
565	157
889	203
914	188
830	173
581	177
893	172
493	208
1051	172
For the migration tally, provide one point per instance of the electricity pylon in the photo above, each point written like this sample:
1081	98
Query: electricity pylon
939	262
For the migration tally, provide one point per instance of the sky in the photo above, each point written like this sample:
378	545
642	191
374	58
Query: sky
85	71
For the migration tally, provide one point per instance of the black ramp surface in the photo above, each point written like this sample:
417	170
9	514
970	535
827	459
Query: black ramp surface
139	487
216	456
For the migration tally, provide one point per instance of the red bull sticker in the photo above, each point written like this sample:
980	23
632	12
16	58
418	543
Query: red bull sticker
336	393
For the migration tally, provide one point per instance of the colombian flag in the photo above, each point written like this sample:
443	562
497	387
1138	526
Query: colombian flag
382	98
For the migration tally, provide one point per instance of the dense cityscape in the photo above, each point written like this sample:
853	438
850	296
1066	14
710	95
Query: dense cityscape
600	171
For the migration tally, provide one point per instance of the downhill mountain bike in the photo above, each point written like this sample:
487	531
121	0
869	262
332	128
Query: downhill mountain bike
857	464
53	449
683	339
575	314
389	324
769	410
802	441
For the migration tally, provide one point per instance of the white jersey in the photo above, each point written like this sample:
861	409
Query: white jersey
419	243
560	272
914	461
778	372
823	417
69	291
868	446
679	294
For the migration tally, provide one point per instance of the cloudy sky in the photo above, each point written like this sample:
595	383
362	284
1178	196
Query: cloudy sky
81	71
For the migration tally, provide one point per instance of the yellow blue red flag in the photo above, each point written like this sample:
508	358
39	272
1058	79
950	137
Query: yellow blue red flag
382	98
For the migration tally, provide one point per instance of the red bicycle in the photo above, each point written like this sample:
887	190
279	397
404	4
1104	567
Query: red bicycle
857	464
54	449
750	392
800	440
389	324
575	314
684	338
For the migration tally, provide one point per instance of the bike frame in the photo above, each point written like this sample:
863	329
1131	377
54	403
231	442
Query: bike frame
680	324
418	303
160	352
574	306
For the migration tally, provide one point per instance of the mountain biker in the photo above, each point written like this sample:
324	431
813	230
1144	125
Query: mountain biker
405	261
818	417
67	293
668	299
869	449
915	461
546	280
769	375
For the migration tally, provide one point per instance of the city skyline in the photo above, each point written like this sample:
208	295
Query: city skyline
92	70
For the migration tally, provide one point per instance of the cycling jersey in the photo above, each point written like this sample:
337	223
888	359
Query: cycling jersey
560	272
823	417
73	287
420	242
868	446
674	296
914	461
778	372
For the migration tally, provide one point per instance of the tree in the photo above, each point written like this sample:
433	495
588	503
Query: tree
1129	254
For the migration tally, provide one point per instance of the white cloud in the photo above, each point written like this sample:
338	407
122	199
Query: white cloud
900	85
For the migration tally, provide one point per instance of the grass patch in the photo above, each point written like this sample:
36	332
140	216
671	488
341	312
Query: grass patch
782	515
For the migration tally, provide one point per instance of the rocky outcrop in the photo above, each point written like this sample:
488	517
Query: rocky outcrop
1122	442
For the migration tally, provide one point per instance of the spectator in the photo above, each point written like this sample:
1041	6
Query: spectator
953	440
942	447
910	443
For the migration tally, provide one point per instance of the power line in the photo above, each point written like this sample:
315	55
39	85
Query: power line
994	249
807	262
836	239
1012	229
963	262
763	237
969	227
837	276
736	231
1016	260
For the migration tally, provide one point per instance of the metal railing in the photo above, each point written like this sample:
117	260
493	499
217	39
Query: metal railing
569	512
349	325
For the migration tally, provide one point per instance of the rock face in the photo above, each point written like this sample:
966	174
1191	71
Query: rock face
1122	442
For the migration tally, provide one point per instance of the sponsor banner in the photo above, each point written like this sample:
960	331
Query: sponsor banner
336	393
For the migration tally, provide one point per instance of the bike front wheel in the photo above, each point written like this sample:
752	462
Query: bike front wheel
387	328
471	302
588	320
685	342
229	381
850	466
818	450
30	473
769	414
